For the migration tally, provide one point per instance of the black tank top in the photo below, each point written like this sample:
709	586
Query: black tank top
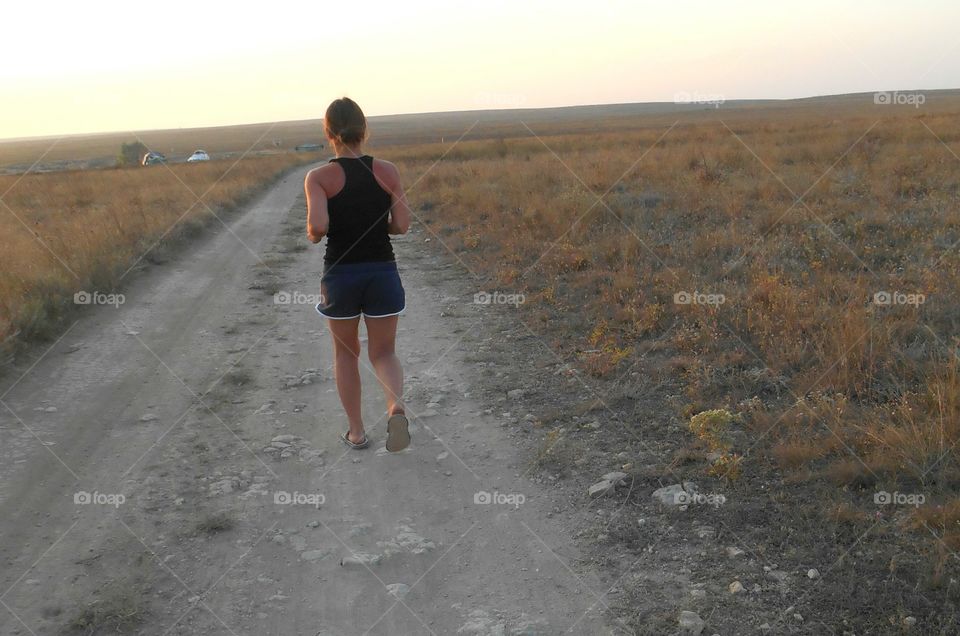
358	216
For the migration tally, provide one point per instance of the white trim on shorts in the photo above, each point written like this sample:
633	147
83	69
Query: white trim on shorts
384	315
317	307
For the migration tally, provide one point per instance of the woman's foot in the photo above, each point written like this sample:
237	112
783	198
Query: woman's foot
398	430
353	440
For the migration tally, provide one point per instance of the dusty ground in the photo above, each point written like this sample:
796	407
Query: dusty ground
149	456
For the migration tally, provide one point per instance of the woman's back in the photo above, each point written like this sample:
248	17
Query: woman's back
359	213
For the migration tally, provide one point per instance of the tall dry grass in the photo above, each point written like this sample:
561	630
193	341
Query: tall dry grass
798	219
71	231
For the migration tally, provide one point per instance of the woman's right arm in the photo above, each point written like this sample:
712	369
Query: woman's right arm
318	220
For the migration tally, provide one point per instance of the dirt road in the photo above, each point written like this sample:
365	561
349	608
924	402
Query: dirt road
175	459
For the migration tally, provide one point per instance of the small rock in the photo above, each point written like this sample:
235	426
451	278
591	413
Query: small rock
616	477
361	559
602	488
286	439
148	417
910	621
690	623
736	587
399	590
733	552
813	573
515	394
314	555
777	575
50	409
313	524
675	494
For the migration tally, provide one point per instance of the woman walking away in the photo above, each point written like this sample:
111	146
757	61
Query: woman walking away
357	201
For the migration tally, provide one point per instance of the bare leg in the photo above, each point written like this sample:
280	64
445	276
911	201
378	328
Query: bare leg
346	348
382	335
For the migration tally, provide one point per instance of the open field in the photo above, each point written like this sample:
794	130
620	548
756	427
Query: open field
100	150
796	269
760	299
85	231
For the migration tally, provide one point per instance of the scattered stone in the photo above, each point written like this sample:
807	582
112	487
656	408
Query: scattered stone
733	552
313	524
675	494
314	555
618	478
361	559
398	590
909	621
406	541
602	488
765	628
50	409
148	417
813	573
777	575
736	587
698	593
690	623
515	394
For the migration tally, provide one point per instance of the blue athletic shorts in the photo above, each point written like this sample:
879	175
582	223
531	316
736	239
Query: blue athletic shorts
348	290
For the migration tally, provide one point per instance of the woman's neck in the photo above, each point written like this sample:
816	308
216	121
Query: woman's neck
348	151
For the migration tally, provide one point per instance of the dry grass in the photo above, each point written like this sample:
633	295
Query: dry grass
832	386
71	231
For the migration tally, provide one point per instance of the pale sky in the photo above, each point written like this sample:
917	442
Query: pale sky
72	67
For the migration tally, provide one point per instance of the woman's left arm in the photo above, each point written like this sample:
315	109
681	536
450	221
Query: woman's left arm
399	220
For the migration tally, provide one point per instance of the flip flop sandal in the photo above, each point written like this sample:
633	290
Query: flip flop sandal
398	432
356	446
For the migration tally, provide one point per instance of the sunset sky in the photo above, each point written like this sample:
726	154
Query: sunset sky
104	66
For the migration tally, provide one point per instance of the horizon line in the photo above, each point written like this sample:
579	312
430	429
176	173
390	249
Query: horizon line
471	110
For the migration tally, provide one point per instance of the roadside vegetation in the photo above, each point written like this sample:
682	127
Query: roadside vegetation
83	231
793	274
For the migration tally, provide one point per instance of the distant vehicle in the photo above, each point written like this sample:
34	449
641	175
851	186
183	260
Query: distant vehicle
199	155
308	147
153	158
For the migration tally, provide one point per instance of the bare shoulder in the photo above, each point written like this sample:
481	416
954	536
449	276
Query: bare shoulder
386	173
321	175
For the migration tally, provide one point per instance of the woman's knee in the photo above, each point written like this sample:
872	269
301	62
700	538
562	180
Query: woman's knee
347	352
378	353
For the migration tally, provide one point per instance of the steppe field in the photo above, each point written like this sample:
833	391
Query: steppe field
715	348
